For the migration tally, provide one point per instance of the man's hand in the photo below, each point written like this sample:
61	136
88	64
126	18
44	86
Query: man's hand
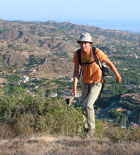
114	69
118	78
74	92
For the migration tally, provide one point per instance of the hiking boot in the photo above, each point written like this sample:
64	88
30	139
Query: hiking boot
90	133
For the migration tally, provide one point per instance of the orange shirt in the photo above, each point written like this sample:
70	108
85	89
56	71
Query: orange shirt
91	72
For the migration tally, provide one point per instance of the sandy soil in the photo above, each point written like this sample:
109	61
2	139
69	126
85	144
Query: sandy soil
60	145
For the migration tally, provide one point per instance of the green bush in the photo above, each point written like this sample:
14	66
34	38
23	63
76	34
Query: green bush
22	114
26	114
100	128
117	134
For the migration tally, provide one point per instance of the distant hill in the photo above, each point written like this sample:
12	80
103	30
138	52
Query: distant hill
49	46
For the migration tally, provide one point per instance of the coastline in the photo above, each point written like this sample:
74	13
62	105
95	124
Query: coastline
128	26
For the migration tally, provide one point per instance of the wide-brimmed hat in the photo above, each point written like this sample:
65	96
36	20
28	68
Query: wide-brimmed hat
85	37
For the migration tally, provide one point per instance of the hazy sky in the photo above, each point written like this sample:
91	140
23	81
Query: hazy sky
70	10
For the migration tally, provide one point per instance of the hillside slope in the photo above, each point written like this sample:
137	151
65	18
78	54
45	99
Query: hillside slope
26	45
48	145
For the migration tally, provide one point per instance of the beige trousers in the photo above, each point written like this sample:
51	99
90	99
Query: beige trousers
90	93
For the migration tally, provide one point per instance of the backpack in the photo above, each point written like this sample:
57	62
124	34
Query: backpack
103	67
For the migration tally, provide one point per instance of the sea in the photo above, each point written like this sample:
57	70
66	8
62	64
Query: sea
129	26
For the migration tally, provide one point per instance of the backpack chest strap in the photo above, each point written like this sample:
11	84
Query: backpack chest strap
87	63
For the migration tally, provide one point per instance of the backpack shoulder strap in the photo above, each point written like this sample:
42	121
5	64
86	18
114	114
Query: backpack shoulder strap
79	58
79	55
95	57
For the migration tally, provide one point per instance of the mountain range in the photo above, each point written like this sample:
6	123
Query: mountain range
48	47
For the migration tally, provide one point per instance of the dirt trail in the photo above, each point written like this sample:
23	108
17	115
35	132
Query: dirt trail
60	145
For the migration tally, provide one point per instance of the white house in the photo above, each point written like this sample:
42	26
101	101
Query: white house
70	79
52	95
67	92
25	78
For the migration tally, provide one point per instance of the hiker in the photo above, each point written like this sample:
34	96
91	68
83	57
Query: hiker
92	79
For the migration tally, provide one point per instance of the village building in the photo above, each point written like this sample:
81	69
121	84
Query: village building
53	95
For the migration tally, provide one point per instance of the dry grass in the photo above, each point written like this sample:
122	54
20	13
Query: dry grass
60	145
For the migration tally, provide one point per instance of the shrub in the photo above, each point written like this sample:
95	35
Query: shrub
26	114
100	128
23	114
117	134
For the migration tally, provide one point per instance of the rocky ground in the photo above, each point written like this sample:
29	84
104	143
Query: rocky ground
60	145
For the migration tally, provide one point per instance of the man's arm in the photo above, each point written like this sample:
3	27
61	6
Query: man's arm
75	78
113	68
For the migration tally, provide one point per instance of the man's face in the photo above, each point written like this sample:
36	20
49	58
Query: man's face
85	46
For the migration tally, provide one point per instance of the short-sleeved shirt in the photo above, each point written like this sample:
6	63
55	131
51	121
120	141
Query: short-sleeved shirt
91	72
